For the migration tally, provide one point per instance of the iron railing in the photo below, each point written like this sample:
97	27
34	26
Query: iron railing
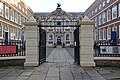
21	48
105	43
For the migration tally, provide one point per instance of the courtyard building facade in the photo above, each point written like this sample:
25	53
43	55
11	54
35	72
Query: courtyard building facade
59	34
13	14
106	15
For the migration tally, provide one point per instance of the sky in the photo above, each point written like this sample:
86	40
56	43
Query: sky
66	5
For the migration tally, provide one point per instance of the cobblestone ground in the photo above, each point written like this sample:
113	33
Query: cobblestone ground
59	66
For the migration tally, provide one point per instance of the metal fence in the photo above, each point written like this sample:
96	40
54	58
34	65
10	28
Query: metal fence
106	49
20	48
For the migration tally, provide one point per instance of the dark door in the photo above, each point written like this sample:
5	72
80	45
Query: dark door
59	40
42	46
76	46
6	38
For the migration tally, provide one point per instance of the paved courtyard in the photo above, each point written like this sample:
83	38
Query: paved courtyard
59	66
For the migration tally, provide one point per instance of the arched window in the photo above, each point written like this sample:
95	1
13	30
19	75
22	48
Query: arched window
50	37
67	36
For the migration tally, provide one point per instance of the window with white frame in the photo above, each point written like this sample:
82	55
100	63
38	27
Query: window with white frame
19	17
107	1
119	9
6	12
108	15
16	17
119	31
103	17
1	9
108	33
20	7
104	34
50	37
92	12
100	17
23	9
11	14
96	22
67	36
22	20
16	34
1	30
100	6
104	3
95	10
11	32
114	12
12	1
95	35
100	34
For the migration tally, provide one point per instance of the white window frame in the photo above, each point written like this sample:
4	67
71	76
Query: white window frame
100	6
16	34
108	15
95	10
119	31
100	16
16	17
100	35
12	15
96	22
6	13
12	33
103	17
107	1
114	10
108	33
1	30
119	9
103	3
104	34
19	19
1	9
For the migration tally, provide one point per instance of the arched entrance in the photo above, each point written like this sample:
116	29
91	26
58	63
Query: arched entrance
58	40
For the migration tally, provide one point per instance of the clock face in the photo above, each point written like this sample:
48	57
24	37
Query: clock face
58	17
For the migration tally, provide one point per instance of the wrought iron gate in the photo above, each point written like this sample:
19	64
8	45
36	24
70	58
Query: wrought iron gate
77	46
42	46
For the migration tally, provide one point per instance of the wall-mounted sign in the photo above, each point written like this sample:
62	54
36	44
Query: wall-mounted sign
8	49
108	49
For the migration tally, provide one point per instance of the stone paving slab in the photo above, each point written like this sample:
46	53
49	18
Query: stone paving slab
59	66
65	74
22	78
53	72
52	78
37	77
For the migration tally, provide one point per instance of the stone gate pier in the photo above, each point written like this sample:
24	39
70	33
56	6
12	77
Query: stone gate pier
86	42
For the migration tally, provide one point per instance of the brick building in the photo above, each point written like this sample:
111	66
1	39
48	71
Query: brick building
12	15
60	35
106	14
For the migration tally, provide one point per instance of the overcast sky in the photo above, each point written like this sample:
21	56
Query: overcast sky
66	5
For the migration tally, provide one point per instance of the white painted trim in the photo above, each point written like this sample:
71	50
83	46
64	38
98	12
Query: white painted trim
106	58
10	24
104	9
109	24
18	11
15	57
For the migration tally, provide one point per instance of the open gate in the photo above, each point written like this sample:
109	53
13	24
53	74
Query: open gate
42	46
77	46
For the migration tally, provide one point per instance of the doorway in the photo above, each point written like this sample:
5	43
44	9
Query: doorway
58	40
6	38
